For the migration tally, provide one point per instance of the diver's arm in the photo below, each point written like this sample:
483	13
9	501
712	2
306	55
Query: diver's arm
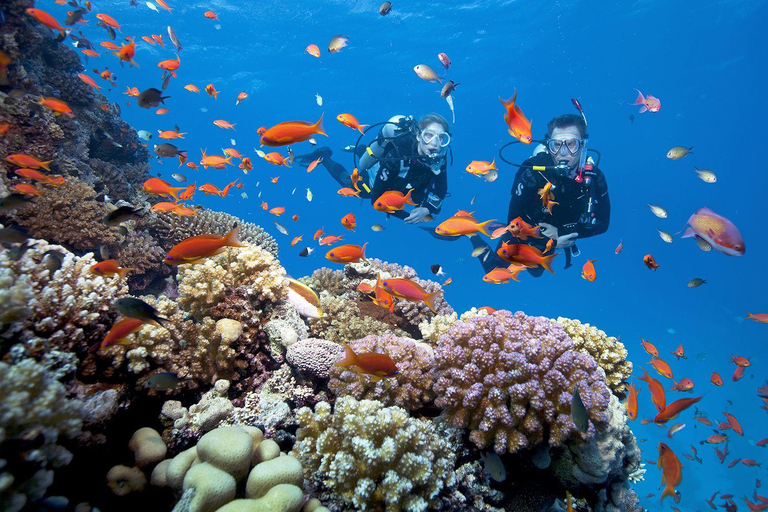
525	198
433	201
378	146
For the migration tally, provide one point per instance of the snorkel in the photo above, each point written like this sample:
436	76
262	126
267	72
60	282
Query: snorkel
583	159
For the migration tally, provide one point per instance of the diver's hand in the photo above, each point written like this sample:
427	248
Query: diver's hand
566	240
548	230
417	215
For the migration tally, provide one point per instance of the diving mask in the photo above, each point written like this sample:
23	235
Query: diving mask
443	138
572	145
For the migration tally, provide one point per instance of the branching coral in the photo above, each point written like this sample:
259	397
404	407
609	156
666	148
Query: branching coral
69	215
67	309
410	389
510	378
325	279
371	455
143	254
34	412
608	351
433	328
342	321
204	285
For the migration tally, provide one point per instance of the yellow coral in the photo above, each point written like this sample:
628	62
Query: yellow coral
438	325
342	321
608	351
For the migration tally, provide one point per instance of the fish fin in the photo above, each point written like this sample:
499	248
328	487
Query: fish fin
546	262
640	99
407	199
429	300
643	109
349	359
232	240
123	272
318	126
360	128
481	227
688	233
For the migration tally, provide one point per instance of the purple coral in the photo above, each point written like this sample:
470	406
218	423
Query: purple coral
509	378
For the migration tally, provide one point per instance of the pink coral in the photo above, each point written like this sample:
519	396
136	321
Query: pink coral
510	378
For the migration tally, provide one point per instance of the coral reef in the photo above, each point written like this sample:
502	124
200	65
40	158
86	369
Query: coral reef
143	254
343	321
204	285
34	413
410	389
314	358
509	378
433	328
326	280
369	455
608	351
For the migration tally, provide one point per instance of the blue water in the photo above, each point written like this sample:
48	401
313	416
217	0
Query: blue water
699	58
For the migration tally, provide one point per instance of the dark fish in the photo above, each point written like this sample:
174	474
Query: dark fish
579	412
305	252
13	201
17	251
167	150
696	282
448	88
123	230
436	269
631	118
74	17
117	108
140	310
133	3
151	98
109	29
163	381
17	93
166	81
122	214
52	260
14	235
385	8
173	38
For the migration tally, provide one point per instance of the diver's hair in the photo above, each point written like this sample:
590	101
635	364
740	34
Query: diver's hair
434	118
566	120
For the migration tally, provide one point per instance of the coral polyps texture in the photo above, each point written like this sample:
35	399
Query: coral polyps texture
509	378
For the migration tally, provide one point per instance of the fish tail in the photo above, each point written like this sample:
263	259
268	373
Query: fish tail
318	127
669	491
160	320
349	359
640	99
493	165
363	253
361	127
46	165
429	300
407	199
123	272
481	227
232	240
546	262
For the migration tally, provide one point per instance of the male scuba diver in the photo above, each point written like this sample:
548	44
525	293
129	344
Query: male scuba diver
405	155
581	207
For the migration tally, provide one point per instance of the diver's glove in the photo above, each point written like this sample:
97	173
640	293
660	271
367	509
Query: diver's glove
417	215
566	240
548	230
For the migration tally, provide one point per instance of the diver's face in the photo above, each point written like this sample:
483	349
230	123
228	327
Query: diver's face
563	155
432	147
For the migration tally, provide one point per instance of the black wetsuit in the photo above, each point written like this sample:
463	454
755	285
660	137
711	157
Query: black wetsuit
570	215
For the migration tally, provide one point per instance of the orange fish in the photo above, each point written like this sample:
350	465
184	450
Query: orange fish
211	15
588	271
658	397
349	221
170	134
109	45
296	240
527	255
649	103
549	246
241	97
170	65
88	80
183	210
276	158
46	19
56	106
716	379
211	90
188	192
519	126
481	167
127	52
32	174
671	470
295	218
661	367
148	40
740	361
734	423
348	192
411	291
313	50
110	268
355	177
245	164
133	92
675	408
330	239
215	161
318	234
221	123
685	384
649	348
277	210
499	232
650	262
522	230
27	189
679	352
120	331
392	201
758	317
161	111
715	439
382	297
462	225
346	253
164	5
365	288
160	187
274	180
164	206
191	88
191	165
632	402
90	53
108	20
370	363
547	197
619	247
290	132
738	374
197	248
351	121
501	275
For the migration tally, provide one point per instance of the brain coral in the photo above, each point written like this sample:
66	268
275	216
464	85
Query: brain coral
509	378
371	455
608	351
410	389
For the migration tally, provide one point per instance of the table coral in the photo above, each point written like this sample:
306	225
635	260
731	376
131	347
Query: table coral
608	351
509	378
410	389
370	455
204	285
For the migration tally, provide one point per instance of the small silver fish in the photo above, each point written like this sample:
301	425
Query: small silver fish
233	142
696	282
309	195
173	38
473	200
665	236
144	134
579	412
490	176
426	73
478	251
494	467
703	244
244	195
319	100
152	6
337	43
678	152
658	211
52	260
179	177
281	228
377	227
312	141
674	429
706	175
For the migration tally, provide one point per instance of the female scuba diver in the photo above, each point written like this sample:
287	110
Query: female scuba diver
405	155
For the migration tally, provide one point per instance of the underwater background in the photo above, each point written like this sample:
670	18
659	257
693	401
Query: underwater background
699	58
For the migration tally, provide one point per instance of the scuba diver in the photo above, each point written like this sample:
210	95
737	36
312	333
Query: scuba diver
405	155
582	208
